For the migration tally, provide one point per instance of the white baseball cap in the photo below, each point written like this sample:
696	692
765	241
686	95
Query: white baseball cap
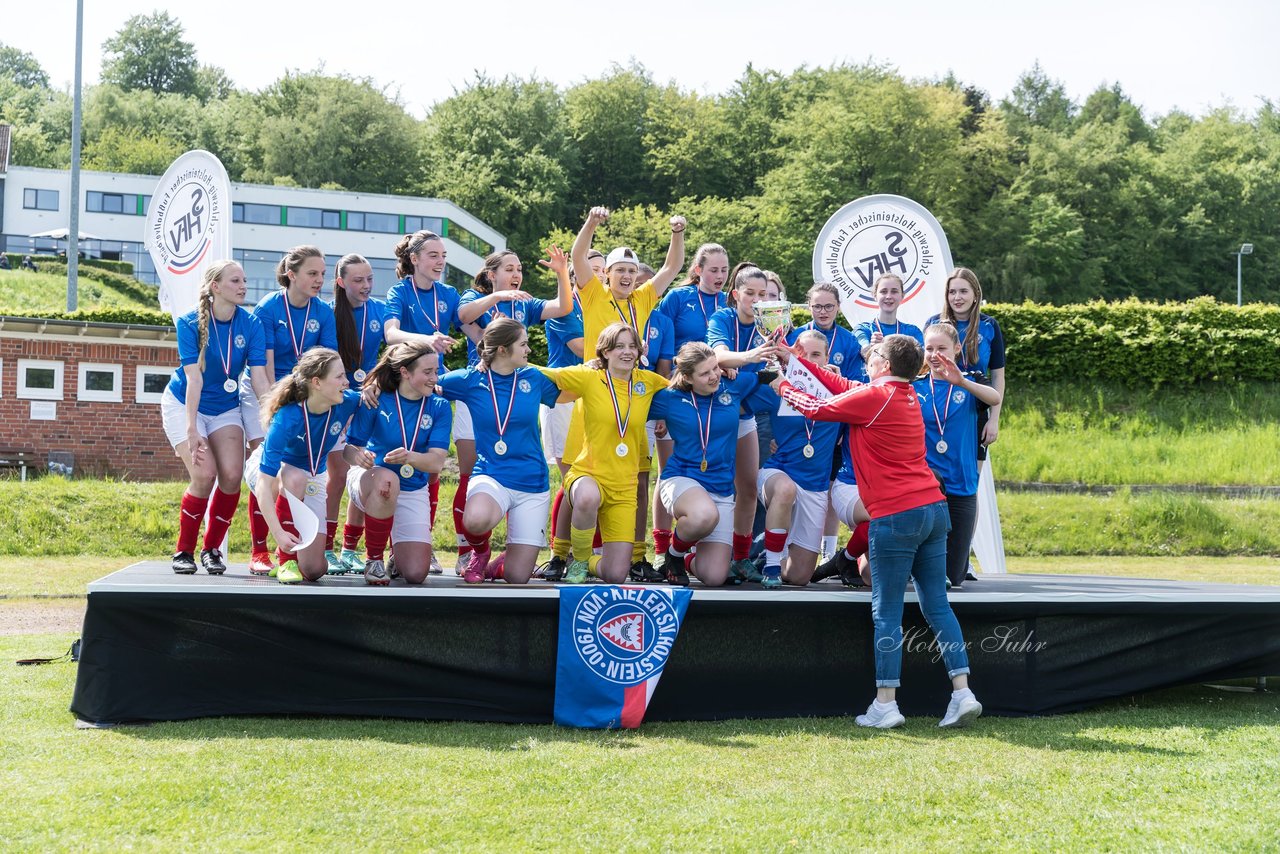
622	253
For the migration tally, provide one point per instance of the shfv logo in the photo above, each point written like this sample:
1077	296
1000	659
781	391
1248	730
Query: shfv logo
882	234
188	226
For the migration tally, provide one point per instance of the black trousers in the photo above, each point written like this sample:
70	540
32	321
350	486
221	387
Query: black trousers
964	517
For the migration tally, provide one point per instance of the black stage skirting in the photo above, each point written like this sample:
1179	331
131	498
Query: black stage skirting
161	647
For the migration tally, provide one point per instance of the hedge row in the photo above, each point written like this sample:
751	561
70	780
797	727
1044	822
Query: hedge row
122	267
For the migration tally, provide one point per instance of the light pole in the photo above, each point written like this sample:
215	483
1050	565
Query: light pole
1245	249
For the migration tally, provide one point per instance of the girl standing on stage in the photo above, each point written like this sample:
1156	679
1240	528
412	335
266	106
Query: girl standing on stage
600	486
496	293
701	409
888	293
201	409
303	415
407	440
741	348
294	320
359	320
981	343
775	292
949	403
510	479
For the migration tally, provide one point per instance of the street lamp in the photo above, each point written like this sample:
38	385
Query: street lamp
1245	249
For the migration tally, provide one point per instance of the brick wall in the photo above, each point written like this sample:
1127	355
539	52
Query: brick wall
119	439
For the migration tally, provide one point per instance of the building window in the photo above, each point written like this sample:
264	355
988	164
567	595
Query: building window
152	381
379	222
99	382
40	200
312	218
467	240
259	214
457	278
433	224
129	204
39	379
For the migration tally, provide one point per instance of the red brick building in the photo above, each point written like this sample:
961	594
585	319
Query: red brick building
88	395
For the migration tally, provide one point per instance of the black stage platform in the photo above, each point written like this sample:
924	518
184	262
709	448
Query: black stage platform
162	647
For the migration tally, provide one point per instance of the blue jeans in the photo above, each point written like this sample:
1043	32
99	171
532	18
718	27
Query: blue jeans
912	544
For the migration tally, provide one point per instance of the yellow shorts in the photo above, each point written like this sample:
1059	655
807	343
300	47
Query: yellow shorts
616	517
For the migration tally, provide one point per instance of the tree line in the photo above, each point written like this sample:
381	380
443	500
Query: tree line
1048	199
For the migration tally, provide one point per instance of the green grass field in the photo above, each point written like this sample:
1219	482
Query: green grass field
25	293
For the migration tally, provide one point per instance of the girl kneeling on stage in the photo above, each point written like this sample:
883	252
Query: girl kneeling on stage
303	415
601	482
393	450
510	477
701	411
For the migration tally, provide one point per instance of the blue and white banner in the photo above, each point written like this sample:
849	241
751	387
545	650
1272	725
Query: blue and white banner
188	227
614	642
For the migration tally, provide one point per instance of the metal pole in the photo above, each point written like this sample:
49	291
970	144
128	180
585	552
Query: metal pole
1239	282
73	237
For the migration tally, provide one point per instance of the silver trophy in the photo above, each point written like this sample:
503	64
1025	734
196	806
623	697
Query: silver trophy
772	316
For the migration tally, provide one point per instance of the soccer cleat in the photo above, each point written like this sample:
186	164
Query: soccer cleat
392	572
375	573
473	573
211	560
746	570
436	568
288	572
260	563
493	572
672	570
184	563
961	711
554	569
841	566
646	572
577	572
333	565
771	579
886	718
351	561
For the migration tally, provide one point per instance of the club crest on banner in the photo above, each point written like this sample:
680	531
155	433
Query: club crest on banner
623	633
884	234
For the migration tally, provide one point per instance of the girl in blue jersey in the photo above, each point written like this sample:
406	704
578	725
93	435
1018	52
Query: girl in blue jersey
407	440
794	480
949	403
510	477
740	348
359	320
201	409
496	293
981	343
303	415
701	413
888	293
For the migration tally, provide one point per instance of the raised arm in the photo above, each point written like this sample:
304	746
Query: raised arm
558	263
582	243
674	262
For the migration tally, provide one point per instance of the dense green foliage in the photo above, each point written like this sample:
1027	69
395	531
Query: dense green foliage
1049	200
123	267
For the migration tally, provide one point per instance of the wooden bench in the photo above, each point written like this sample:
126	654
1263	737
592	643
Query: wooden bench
17	458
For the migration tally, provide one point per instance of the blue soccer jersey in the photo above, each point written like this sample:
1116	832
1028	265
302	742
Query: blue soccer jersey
863	332
302	438
369	319
793	433
560	331
690	310
951	434
292	331
990	345
661	338
842	348
525	312
704	430
416	425
423	311
231	347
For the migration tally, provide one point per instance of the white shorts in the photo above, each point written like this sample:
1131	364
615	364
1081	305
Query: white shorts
250	415
843	497
413	509
808	516
313	494
555	428
671	488
173	415
462	428
526	512
746	426
653	439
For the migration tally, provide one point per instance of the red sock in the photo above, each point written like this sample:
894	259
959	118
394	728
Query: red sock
460	504
330	531
376	533
858	541
476	542
189	521
221	512
258	529
351	536
775	540
679	546
661	541
555	510
741	546
285	515
597	542
433	493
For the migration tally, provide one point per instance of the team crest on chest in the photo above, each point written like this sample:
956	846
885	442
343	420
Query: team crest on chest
374	325
639	388
958	395
313	325
725	398
239	342
335	429
524	386
426	422
519	315
653	334
838	358
442	305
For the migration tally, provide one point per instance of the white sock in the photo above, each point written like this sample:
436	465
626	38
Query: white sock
892	704
828	546
961	694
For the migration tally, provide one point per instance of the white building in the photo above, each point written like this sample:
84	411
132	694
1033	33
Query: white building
267	220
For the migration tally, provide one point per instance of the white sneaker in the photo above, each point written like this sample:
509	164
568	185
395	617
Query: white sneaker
436	568
961	711
881	718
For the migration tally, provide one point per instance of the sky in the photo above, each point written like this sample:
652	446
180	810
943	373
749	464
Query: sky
1192	56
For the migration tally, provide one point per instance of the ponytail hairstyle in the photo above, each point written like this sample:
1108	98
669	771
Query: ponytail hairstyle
344	317
501	332
970	344
692	354
484	279
700	258
295	388
742	273
204	304
410	245
385	375
611	339
292	262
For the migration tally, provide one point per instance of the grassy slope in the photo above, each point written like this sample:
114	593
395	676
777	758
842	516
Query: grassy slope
24	292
